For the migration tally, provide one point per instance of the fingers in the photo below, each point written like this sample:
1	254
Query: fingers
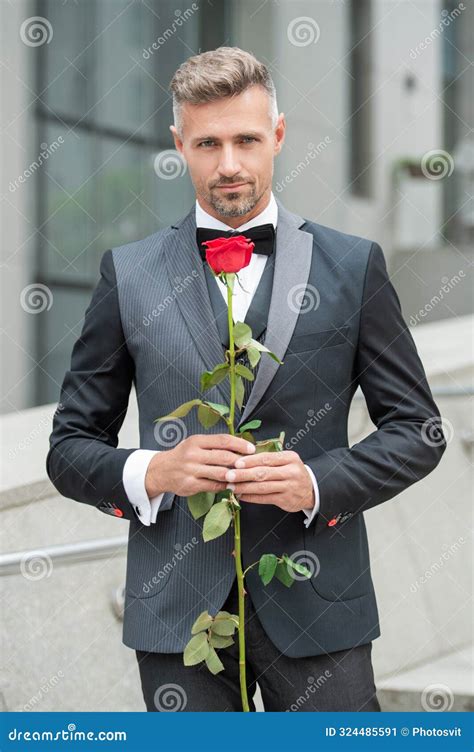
222	457
276	499
212	472
259	474
204	485
260	489
226	442
268	459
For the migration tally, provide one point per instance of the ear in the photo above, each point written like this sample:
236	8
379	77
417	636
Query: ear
280	131
177	141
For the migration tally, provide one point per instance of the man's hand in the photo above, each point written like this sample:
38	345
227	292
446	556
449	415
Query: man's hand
198	463
278	478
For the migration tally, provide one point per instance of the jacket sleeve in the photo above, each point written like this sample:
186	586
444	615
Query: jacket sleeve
408	441
83	461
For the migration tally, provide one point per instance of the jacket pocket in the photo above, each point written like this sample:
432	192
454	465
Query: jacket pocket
152	554
343	565
318	340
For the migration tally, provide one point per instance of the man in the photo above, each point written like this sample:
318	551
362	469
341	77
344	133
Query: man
322	301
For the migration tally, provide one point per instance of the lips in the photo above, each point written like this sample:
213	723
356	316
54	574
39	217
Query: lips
231	187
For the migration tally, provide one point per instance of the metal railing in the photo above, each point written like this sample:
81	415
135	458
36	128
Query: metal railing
66	553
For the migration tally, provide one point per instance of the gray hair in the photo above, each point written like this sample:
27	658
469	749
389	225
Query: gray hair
219	73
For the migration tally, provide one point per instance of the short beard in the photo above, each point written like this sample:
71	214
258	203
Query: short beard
233	207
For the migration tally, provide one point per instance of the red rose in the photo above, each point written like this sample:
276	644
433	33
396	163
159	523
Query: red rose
229	254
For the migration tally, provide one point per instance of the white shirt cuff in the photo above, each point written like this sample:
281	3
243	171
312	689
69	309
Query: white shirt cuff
134	472
310	513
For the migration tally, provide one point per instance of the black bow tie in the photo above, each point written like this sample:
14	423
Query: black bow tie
262	235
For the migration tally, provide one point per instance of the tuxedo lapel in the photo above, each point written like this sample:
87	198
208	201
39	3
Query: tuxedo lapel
257	314
292	262
293	254
184	262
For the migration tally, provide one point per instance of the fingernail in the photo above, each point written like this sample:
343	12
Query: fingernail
239	463
250	448
231	486
230	475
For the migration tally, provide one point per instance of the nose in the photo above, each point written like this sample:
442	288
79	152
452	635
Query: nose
228	163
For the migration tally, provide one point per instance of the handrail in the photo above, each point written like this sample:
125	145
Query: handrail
31	563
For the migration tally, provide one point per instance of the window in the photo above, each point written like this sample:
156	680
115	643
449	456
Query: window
360	25
103	101
456	83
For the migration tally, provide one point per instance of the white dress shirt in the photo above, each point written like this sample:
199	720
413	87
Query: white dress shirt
136	465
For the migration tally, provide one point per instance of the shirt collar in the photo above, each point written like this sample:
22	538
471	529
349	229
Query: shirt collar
268	215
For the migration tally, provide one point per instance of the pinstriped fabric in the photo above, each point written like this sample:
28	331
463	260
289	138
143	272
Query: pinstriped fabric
173	336
243	358
168	366
163	299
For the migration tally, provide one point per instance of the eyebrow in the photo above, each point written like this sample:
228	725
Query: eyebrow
256	134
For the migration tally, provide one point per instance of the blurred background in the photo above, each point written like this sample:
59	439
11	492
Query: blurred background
378	97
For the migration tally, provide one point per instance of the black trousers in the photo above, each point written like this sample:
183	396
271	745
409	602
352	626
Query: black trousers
339	681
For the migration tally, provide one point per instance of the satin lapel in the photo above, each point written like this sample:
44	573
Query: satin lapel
293	255
257	314
183	262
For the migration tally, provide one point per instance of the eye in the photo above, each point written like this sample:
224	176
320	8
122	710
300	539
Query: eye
211	142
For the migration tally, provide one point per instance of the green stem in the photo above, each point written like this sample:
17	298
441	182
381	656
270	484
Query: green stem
240	580
250	567
237	538
230	323
279	559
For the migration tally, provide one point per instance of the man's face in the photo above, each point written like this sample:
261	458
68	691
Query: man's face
229	146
